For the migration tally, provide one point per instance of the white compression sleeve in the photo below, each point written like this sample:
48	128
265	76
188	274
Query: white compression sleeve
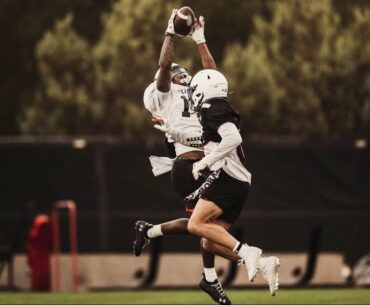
231	139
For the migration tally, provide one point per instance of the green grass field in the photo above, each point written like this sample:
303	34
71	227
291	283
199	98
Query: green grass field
247	296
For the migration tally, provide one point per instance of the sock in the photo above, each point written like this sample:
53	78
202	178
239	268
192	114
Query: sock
241	249
154	232
210	274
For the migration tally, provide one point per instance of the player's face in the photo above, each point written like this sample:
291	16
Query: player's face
181	79
177	78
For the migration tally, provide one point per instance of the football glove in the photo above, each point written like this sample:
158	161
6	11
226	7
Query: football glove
179	136
198	34
170	27
160	123
198	167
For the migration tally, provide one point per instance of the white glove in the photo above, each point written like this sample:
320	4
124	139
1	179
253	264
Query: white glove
198	167
170	27
161	123
180	137
164	127
198	34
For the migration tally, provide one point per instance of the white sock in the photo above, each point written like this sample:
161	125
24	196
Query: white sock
210	274
241	249
155	231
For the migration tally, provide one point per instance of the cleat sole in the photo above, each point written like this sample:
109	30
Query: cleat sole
277	265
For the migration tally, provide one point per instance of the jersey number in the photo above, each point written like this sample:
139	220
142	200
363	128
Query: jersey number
186	112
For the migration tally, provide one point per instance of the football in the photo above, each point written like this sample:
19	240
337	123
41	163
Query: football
184	21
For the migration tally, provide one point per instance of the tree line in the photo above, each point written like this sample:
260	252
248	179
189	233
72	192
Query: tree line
295	68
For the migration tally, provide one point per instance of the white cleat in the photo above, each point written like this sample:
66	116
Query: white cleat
251	261
269	269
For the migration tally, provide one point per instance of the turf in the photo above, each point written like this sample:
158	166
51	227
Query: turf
247	296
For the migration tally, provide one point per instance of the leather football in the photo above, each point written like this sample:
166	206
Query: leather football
184	21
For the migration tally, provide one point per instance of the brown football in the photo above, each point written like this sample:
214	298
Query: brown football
184	21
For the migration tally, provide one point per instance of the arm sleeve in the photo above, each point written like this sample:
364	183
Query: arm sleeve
231	139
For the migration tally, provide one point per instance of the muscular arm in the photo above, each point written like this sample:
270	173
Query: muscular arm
206	56
199	38
165	61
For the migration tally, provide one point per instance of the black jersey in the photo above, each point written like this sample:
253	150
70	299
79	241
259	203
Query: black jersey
213	114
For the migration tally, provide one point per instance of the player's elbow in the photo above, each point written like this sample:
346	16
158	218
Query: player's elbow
234	139
237	138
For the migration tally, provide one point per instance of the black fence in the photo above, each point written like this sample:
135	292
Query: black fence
301	196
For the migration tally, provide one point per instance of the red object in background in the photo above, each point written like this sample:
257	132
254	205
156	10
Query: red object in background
39	245
72	217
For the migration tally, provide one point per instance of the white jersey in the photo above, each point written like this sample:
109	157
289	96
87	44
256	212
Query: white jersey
231	163
174	107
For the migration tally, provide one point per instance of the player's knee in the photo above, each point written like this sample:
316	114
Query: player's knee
193	227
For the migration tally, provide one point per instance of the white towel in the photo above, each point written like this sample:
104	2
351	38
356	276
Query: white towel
161	165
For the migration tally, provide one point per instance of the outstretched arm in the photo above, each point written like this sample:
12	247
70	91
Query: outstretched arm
165	61
166	57
206	56
198	36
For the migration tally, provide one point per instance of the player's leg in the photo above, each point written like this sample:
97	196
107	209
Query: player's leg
210	283
184	184
216	249
145	231
201	224
268	266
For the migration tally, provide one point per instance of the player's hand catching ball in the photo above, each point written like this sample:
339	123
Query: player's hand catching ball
198	34
170	27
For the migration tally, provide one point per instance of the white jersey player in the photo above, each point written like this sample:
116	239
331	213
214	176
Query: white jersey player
182	125
167	99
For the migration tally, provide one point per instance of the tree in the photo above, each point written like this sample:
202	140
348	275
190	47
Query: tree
303	72
64	101
98	89
22	24
126	59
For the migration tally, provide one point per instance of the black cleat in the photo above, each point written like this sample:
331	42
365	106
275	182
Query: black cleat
141	240
215	291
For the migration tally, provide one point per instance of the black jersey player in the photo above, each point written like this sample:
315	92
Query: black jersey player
224	197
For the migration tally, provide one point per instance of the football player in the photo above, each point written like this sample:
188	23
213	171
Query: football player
225	194
167	99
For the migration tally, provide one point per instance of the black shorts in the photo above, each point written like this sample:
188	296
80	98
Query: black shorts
183	181
229	194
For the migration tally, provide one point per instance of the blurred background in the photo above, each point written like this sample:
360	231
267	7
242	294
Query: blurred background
73	127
